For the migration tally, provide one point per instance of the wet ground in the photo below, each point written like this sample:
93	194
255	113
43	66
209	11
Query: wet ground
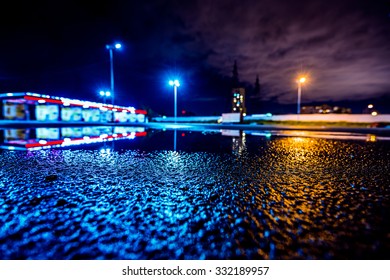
215	197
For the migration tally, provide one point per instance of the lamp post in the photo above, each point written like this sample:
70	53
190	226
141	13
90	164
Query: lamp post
110	49
175	84
105	94
300	82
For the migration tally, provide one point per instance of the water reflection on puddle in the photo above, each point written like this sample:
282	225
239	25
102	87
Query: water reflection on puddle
64	137
221	195
182	138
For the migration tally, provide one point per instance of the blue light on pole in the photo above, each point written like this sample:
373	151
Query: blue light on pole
175	84
110	48
104	94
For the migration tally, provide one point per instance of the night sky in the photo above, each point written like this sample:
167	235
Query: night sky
58	48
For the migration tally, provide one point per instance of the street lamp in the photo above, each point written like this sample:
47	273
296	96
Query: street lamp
175	84
111	48
300	82
105	94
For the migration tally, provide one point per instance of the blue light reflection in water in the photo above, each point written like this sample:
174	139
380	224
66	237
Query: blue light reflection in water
215	197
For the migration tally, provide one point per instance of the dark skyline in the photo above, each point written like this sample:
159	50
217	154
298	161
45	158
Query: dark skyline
58	48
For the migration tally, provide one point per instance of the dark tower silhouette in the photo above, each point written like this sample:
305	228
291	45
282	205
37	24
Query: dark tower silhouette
235	82
256	91
254	105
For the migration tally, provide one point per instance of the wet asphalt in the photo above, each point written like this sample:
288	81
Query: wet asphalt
215	198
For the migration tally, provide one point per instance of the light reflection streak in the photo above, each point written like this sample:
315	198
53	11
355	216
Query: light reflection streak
47	138
239	144
322	135
293	178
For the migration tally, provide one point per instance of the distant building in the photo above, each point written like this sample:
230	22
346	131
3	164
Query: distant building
238	100
325	109
237	95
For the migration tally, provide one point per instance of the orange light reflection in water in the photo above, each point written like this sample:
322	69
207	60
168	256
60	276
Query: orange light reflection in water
299	187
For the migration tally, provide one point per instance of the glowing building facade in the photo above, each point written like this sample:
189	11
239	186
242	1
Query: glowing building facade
238	101
26	106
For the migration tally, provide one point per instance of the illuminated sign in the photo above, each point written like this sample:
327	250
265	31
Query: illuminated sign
91	115
14	111
47	112
71	114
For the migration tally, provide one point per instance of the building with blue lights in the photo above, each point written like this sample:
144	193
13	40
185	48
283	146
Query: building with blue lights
26	106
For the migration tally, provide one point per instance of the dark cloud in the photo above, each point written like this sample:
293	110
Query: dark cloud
343	46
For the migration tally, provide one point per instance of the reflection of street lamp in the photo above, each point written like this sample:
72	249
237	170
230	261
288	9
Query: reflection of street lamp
300	82
174	139
175	85
105	94
110	48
